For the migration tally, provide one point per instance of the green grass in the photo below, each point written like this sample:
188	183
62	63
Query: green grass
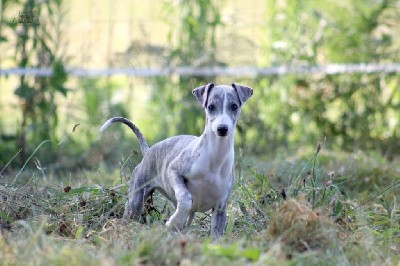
333	214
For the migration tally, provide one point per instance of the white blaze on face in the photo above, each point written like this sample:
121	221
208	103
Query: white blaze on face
223	118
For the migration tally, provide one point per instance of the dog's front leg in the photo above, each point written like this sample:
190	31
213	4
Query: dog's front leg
218	221
184	201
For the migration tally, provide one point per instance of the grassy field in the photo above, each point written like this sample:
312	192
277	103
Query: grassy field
313	207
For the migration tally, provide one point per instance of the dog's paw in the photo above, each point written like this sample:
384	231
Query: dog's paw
168	224
174	225
128	215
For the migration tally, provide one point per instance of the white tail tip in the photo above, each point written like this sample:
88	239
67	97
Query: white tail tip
106	125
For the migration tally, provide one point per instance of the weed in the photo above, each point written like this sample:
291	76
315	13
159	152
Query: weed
297	212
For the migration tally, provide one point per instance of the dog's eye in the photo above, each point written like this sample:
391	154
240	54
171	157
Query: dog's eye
211	107
234	106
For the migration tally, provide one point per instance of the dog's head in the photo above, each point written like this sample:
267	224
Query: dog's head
222	104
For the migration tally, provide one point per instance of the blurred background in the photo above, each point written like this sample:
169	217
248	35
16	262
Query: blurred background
66	66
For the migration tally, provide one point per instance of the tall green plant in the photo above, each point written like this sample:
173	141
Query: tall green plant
349	109
193	43
39	44
7	141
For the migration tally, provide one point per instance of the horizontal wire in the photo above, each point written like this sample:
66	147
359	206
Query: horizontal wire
251	71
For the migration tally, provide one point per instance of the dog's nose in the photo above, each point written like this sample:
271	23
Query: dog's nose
222	130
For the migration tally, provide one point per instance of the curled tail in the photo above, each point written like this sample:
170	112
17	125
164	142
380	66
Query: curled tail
142	141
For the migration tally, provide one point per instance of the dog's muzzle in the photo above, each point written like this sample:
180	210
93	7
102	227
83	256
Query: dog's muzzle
222	130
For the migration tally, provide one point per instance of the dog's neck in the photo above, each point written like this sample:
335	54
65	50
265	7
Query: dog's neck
219	149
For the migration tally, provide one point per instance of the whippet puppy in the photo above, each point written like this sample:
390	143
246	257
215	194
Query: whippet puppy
195	173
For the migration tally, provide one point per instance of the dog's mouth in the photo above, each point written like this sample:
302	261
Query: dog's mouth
222	134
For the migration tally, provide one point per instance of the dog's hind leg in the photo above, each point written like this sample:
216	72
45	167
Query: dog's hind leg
190	219
139	191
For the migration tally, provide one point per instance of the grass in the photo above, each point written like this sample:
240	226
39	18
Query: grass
314	208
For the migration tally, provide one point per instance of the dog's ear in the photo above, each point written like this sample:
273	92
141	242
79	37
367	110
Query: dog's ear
202	93
243	92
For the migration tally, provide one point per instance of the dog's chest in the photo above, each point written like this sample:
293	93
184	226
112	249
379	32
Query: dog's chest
208	191
209	183
211	164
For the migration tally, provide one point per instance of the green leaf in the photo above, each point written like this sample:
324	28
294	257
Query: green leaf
6	217
95	190
231	223
44	106
25	92
225	251
79	232
251	254
337	210
232	252
62	90
59	77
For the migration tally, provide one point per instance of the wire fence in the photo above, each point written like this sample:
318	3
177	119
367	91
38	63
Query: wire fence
249	71
91	31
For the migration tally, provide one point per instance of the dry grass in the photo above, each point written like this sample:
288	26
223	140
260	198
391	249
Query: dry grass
45	222
301	229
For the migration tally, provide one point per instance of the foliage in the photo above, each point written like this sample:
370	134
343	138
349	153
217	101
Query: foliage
39	44
351	110
59	221
192	43
319	206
